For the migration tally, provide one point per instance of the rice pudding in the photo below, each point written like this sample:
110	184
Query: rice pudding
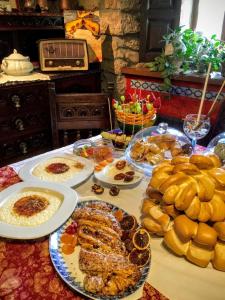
29	208
57	169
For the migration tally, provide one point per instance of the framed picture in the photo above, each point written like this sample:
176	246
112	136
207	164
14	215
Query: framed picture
85	25
9	5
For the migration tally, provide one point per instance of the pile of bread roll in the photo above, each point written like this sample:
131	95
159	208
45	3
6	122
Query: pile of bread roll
186	205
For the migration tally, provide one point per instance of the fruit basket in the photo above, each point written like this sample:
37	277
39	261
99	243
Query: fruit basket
135	113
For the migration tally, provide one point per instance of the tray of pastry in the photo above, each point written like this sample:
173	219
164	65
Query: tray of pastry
155	144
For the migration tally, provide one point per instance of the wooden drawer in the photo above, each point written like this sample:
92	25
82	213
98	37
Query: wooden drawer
16	99
24	146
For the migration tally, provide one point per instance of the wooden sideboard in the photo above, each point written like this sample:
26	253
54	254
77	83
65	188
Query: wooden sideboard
25	123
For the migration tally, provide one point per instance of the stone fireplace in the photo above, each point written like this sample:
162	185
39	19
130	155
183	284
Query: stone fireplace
120	28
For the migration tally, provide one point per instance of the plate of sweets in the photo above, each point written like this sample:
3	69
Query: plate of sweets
155	144
119	172
101	251
217	146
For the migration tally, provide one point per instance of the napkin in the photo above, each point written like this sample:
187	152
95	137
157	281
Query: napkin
150	293
8	177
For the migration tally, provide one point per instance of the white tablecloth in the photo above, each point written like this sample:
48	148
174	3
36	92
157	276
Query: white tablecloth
173	276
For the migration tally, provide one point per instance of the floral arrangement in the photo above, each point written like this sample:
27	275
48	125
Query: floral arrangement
136	110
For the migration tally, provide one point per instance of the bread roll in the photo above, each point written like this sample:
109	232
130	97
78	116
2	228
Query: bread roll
146	206
194	209
201	161
185	195
206	211
206	235
161	218
220	229
152	226
215	159
218	207
179	160
185	228
187	168
170	194
219	257
199	255
153	194
160	176
175	244
170	210
177	178
218	175
206	187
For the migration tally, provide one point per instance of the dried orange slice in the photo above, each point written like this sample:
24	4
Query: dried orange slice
128	223
141	239
139	257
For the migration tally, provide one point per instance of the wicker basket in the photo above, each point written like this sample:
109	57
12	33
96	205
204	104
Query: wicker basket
132	123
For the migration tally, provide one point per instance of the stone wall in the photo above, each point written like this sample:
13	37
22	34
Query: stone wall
120	28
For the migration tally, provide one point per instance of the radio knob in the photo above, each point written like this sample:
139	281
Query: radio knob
77	62
50	62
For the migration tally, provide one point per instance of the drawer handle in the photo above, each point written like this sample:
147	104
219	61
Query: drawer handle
19	124
16	101
23	147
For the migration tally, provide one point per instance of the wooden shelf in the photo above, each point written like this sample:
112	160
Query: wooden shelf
31	21
31	14
198	78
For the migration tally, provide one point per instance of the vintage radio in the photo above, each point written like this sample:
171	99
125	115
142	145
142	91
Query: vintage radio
63	55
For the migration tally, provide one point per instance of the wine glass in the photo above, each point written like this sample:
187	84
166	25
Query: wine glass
196	130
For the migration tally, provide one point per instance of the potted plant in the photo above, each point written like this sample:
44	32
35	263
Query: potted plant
187	51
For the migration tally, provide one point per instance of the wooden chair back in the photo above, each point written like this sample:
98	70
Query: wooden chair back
79	111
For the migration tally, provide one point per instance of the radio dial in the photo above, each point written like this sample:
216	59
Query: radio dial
77	62
50	63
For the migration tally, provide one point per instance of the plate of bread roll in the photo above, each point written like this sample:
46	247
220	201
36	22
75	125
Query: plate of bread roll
185	205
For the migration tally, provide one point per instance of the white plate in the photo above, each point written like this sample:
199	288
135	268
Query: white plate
26	172
107	174
68	199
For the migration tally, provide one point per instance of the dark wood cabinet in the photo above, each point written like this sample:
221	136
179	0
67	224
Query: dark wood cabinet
157	16
25	119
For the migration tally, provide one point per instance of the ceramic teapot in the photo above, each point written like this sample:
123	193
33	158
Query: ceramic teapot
16	64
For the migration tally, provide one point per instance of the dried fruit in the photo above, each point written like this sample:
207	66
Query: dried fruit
114	190
97	189
139	257
128	178
119	176
131	173
141	239
121	164
128	223
67	249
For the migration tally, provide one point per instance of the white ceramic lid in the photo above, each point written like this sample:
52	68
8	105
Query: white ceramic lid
17	56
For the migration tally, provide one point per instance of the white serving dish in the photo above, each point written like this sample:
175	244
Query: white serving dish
26	172
68	197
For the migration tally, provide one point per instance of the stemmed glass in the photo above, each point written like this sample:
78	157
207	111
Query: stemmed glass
196	130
